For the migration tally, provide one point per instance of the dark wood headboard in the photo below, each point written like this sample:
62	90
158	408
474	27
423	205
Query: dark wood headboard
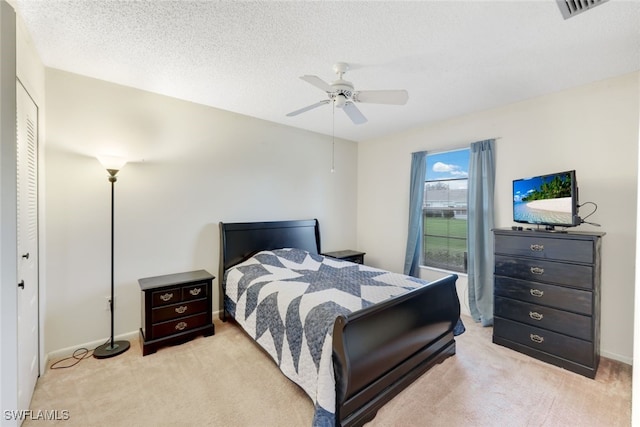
240	240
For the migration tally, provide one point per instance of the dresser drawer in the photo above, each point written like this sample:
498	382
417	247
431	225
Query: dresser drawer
166	296
546	248
559	297
183	309
573	349
180	325
194	291
563	322
580	276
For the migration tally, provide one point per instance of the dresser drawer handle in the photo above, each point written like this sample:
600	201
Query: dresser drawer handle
535	315
180	326
536	292
166	297
537	270
181	309
195	291
536	338
537	248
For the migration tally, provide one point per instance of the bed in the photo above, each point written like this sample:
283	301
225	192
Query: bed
353	343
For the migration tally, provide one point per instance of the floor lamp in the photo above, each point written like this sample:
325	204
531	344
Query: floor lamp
111	348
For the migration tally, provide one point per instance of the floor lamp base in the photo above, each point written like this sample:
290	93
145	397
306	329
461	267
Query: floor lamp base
106	350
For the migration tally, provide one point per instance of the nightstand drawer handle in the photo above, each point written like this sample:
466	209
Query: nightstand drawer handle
180	326
536	292
195	291
181	309
537	248
537	270
535	315
166	297
536	338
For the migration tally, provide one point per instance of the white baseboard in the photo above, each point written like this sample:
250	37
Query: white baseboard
66	352
618	357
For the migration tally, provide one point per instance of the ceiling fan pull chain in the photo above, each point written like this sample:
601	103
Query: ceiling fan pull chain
333	136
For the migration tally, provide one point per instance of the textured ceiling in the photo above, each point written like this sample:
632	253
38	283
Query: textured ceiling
453	57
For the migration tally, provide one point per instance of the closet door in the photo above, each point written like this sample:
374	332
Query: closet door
28	302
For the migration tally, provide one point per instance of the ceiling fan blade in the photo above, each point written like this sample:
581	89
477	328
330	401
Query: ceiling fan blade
354	114
310	107
317	82
394	97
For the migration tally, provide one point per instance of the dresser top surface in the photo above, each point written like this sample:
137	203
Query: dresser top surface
174	279
582	235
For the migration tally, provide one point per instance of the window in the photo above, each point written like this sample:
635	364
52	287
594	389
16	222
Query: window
445	210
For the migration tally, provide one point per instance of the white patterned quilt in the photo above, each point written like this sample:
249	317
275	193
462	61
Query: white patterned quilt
288	300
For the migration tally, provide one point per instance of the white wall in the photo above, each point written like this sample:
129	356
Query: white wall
193	166
592	129
8	207
635	391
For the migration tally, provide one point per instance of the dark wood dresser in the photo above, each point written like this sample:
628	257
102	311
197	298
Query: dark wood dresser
175	308
547	296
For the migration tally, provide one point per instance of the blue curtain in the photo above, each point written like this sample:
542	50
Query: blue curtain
479	234
416	198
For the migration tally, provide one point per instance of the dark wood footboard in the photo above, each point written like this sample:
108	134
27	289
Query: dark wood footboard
380	350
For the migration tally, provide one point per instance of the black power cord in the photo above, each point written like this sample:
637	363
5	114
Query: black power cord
595	208
78	356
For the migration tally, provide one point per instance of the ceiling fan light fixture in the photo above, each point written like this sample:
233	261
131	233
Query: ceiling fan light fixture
342	95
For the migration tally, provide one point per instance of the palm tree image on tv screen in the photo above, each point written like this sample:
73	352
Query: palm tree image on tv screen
544	199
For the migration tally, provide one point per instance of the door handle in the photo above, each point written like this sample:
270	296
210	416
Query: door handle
26	255
21	284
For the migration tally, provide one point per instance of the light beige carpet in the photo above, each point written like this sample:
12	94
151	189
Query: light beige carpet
225	380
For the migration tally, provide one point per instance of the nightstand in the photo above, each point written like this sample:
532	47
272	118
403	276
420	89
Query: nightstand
175	309
347	255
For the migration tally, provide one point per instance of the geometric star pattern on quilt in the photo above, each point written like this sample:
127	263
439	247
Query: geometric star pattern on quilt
327	277
249	273
289	299
317	318
294	330
269	319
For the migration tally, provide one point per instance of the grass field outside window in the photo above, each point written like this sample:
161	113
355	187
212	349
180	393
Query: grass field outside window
445	243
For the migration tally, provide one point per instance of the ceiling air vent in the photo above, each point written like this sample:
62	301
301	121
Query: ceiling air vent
571	8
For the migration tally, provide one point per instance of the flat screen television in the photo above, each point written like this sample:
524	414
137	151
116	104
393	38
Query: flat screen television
550	200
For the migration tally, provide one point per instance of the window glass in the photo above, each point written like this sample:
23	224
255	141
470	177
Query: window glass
445	210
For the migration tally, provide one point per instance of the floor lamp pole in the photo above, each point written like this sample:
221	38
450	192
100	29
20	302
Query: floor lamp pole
111	348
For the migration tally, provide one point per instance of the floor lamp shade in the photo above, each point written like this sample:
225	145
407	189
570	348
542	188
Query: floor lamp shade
111	348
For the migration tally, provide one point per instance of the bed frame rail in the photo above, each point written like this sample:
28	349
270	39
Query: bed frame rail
380	350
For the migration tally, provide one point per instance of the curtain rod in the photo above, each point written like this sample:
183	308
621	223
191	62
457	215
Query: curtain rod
456	148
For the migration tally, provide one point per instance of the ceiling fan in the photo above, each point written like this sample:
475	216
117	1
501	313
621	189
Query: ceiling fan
343	95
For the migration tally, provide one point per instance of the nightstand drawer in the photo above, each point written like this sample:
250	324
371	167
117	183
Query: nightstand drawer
180	325
575	275
194	291
554	296
563	322
573	349
166	296
178	310
546	248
